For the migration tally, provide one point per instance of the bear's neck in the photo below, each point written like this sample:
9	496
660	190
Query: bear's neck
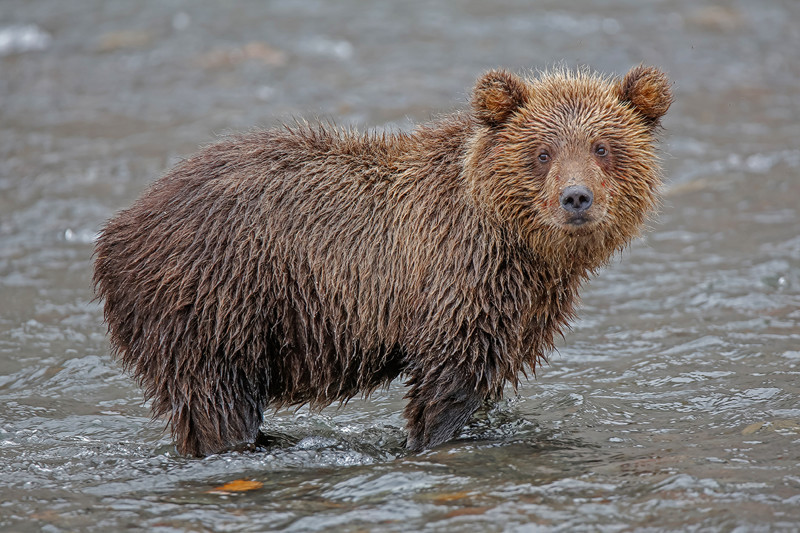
434	163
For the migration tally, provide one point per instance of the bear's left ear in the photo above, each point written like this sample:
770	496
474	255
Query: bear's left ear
497	95
647	89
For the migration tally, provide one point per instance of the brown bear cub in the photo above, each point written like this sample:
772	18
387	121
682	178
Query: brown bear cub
308	264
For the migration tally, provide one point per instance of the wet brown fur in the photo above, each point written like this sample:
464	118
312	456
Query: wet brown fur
308	264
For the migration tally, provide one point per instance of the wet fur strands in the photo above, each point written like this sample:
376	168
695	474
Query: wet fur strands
308	265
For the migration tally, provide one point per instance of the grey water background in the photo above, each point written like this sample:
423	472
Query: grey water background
672	405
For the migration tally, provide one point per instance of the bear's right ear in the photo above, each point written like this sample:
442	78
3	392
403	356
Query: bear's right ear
497	95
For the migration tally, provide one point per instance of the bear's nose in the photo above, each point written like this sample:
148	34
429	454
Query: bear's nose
576	199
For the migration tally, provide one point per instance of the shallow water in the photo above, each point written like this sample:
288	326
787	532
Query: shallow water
674	404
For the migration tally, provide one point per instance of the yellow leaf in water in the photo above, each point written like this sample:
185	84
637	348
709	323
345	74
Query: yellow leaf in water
752	428
451	496
784	425
238	485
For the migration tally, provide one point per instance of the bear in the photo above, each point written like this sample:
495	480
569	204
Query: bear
309	263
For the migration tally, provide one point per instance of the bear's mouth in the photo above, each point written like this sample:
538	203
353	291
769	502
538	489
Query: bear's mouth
580	225
578	220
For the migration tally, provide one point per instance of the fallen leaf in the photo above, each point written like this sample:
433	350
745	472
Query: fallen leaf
784	425
716	18
238	485
48	515
752	428
118	40
229	57
450	496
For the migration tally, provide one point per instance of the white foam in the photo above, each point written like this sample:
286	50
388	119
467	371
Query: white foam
23	38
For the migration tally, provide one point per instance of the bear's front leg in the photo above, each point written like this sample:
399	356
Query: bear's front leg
211	414
438	408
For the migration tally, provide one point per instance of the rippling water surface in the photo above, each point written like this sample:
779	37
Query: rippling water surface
674	404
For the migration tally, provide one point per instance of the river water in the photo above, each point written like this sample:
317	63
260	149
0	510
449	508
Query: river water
672	405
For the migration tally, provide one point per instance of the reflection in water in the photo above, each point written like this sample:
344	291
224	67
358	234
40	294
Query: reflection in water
673	403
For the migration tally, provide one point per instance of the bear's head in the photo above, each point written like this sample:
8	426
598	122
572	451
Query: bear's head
567	161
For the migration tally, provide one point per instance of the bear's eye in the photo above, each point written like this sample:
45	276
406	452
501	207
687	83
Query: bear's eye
544	157
600	150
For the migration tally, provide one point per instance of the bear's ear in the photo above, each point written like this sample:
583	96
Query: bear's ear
497	95
648	91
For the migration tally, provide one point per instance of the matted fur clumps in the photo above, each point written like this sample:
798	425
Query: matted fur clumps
308	265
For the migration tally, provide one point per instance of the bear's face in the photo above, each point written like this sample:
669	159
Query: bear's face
568	159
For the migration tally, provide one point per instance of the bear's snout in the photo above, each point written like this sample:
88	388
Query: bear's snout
576	200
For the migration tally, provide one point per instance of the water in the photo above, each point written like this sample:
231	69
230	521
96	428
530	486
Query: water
674	404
